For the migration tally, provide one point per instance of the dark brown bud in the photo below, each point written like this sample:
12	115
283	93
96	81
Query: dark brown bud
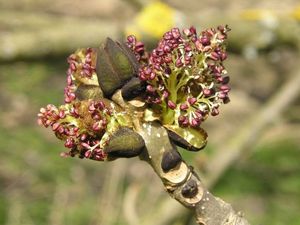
133	88
170	160
190	189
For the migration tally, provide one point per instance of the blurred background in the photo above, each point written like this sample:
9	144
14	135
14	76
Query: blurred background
253	153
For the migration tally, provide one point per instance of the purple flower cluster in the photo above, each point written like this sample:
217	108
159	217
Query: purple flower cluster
138	48
81	70
81	125
185	76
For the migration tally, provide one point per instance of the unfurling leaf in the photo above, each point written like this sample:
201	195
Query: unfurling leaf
192	139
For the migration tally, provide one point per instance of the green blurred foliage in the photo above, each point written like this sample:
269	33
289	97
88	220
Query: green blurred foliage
35	179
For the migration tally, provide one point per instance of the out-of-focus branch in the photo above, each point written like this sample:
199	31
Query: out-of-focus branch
136	4
25	35
30	35
240	144
129	205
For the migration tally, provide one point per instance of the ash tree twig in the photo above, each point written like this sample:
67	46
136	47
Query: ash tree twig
183	184
248	134
123	102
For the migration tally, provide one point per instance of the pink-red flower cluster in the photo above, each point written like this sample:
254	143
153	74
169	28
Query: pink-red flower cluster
138	48
81	125
185	76
81	70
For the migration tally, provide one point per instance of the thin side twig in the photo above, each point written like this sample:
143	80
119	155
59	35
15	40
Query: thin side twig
241	143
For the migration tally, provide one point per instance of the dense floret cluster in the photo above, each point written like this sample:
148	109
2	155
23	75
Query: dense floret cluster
186	79
138	48
81	71
81	125
85	125
182	81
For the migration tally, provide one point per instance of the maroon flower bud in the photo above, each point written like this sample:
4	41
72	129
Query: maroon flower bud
192	101
96	116
187	60
100	105
181	118
176	33
150	89
193	30
92	107
187	48
167	35
198	45
205	40
48	122
215	112
184	106
152	76
167	48
183	121
61	130
223	56
178	63
214	56
168	59
225	88
139	44
83	137
88	154
85	145
198	114
131	39
72	67
195	122
55	126
103	123
165	94
96	126
69	143
222	95
61	114
187	32
206	92
171	104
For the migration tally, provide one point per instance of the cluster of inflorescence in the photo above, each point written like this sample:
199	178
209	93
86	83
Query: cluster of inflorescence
81	71
183	80
185	76
80	124
138	48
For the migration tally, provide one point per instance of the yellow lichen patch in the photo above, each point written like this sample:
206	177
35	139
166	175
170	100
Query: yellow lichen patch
296	13
153	20
256	14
